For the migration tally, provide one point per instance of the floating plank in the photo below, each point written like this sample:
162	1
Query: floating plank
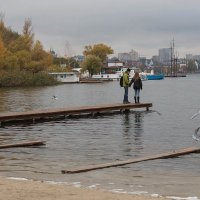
24	144
170	154
14	116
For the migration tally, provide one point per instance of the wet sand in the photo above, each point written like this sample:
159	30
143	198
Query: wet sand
32	190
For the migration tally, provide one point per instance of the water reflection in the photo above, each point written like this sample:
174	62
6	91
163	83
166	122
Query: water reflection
138	129
132	133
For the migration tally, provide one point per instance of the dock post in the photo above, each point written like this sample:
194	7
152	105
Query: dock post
147	108
126	110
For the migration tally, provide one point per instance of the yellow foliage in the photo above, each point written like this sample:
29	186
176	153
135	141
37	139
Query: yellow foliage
2	49
99	50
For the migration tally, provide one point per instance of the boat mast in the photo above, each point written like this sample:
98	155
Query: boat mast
172	55
174	60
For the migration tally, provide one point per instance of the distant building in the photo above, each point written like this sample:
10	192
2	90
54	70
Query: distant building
196	57
149	63
165	56
155	59
189	56
143	60
112	67
53	53
131	56
79	58
113	59
115	64
134	55
124	57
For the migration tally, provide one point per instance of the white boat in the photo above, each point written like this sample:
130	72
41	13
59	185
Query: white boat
132	73
113	76
117	75
106	76
65	77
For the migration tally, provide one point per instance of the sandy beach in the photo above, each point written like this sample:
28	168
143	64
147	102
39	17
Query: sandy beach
32	190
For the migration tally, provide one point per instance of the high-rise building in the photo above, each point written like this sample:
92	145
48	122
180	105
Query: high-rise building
131	56
134	55
165	55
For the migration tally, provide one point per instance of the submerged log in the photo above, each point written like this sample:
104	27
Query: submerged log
24	144
170	154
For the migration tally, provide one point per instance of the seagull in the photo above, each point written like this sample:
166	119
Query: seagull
54	97
193	116
195	136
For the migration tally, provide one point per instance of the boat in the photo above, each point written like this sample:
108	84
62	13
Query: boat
106	77
152	76
155	77
117	75
65	77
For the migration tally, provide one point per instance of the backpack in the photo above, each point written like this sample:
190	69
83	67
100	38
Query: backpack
121	81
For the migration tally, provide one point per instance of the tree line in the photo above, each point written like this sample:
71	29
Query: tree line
24	62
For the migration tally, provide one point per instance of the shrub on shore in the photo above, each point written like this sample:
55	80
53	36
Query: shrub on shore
22	78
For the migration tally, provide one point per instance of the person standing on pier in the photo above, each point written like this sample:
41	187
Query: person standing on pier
126	85
137	86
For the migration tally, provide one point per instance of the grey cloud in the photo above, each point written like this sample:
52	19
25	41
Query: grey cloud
145	25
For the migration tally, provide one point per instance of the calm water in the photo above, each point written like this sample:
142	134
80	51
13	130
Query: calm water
79	142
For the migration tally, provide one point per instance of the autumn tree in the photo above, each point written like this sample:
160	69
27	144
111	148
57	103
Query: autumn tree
22	61
99	50
2	52
21	47
24	41
10	62
38	51
2	49
92	63
7	34
28	35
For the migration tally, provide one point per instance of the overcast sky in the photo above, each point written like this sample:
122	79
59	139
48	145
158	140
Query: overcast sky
143	25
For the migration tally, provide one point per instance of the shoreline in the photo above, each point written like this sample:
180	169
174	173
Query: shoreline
24	189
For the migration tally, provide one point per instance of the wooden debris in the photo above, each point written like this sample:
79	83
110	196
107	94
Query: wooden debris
24	144
170	154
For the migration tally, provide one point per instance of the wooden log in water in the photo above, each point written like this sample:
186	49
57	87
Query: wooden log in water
24	144
170	154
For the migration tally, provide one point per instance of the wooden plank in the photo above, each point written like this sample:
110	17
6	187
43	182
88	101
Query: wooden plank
69	111
23	144
170	154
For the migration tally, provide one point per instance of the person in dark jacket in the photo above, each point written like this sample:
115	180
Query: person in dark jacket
137	86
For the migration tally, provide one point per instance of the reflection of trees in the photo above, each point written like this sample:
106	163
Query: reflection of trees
3	96
132	133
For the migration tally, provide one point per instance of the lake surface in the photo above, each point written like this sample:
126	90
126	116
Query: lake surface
83	141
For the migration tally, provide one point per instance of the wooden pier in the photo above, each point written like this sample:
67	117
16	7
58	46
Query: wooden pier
13	117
